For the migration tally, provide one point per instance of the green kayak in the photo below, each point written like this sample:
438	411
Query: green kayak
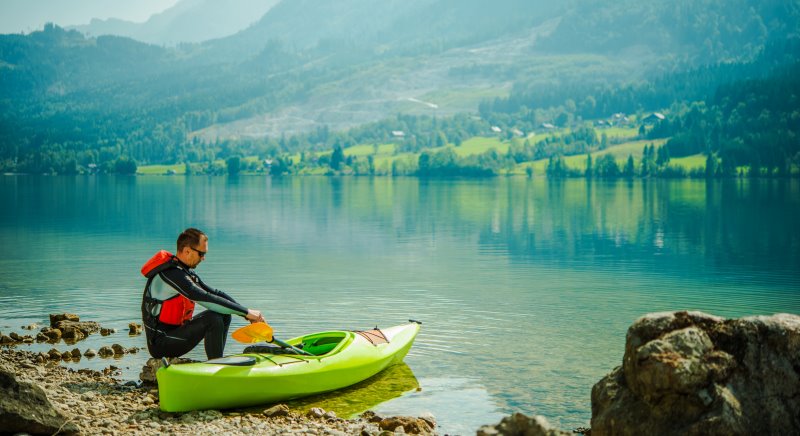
266	374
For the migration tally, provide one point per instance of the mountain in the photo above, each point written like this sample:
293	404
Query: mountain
328	65
187	21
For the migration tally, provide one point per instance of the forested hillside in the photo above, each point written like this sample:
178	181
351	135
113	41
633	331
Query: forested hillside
312	75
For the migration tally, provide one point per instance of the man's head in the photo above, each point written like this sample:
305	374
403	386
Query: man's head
192	247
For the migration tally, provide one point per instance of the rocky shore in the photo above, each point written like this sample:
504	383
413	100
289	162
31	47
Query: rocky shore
682	373
49	398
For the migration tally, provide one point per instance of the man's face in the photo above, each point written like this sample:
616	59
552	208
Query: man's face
197	254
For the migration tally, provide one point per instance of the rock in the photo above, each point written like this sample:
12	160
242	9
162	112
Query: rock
105	332
693	373
5	340
85	327
51	333
315	412
409	424
76	353
371	416
54	318
520	424
148	374
28	339
71	333
33	326
133	350
15	336
66	355
330	415
105	351
90	352
24	408
118	349
134	329
54	354
279	410
41	337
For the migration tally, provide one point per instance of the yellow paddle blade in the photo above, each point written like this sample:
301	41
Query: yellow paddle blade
255	332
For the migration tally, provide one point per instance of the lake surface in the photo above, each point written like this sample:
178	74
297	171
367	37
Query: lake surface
525	287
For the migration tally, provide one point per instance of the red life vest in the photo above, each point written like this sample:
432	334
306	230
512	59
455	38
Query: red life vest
174	310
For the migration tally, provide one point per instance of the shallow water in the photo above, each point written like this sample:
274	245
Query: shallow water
525	287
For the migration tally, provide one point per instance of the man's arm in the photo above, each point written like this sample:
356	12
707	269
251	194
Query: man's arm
217	301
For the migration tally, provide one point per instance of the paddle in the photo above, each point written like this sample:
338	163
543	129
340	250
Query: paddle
261	331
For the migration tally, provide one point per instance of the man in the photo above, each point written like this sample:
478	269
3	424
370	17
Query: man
169	298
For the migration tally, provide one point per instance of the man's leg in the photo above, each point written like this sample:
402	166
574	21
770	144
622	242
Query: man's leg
208	325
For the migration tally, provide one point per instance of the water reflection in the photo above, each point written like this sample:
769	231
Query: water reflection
349	402
525	287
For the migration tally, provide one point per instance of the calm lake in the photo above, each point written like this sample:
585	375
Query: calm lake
525	288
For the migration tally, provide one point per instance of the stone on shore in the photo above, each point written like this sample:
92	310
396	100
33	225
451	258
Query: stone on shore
409	425
148	374
697	374
85	327
24	408
275	411
520	424
134	329
56	317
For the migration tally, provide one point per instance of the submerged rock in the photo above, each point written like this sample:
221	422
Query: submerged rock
56	317
134	329
693	373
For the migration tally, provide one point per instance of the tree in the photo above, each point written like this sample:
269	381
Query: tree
711	166
234	164
125	165
589	169
629	170
337	158
662	156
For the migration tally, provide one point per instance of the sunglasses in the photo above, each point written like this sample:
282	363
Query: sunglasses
200	253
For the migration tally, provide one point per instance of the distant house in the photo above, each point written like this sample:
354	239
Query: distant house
496	129
398	134
267	163
517	132
547	126
653	118
603	123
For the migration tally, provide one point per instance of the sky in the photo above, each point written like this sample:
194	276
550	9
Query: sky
29	15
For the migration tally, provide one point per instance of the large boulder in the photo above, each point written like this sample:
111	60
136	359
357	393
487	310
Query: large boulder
690	373
24	408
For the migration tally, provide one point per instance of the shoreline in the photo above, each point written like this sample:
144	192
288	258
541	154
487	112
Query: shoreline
95	402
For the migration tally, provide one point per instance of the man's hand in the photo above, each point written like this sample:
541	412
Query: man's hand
254	316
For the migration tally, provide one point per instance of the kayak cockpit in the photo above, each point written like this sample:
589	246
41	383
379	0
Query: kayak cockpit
319	344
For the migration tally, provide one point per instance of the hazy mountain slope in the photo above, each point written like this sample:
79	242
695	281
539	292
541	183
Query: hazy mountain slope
187	21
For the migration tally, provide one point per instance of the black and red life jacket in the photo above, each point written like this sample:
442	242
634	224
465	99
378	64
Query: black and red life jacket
173	311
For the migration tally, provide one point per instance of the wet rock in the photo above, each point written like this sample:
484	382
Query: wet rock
693	373
85	327
41	337
56	317
6	340
105	332
134	328
24	408
90	352
71	333
27	339
118	349
66	355
279	410
105	351
519	424
54	354
76	353
51	333
15	336
33	326
409	424
133	350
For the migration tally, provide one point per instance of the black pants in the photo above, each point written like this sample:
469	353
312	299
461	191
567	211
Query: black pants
212	327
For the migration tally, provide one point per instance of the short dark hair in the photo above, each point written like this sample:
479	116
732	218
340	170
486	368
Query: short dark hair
190	238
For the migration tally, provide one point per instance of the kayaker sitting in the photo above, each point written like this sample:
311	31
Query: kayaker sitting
169	298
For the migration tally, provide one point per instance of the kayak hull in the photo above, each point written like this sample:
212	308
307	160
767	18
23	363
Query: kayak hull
343	359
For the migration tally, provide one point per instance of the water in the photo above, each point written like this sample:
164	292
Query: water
525	288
